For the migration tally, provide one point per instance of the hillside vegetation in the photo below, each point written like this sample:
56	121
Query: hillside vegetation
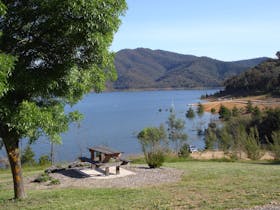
146	68
262	79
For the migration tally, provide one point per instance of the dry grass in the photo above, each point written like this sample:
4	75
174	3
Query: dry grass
262	102
204	185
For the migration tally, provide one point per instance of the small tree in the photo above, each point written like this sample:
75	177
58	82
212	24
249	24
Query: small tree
235	112
190	113
176	132
213	110
252	145
249	107
210	138
152	140
28	156
224	113
275	145
200	109
44	160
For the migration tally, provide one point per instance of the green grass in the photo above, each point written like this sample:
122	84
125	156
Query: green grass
204	185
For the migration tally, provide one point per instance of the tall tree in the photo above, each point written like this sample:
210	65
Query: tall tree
52	52
175	130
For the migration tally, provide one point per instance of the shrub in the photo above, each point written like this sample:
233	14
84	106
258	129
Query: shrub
153	141
252	145
249	107
184	151
28	157
200	109
224	113
213	110
155	159
44	160
190	113
43	178
54	182
275	146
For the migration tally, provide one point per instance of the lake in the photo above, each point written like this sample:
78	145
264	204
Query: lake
115	118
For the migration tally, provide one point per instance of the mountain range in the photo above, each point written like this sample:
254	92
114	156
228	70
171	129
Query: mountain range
143	68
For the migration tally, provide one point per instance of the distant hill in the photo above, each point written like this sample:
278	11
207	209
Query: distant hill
146	68
261	79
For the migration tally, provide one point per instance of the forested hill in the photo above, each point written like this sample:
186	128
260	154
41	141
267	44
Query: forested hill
262	79
145	68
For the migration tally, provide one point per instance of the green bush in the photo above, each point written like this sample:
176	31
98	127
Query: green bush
275	146
43	178
155	159
27	157
44	160
252	145
224	113
54	182
184	151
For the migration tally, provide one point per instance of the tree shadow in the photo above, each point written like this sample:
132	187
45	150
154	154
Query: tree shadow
73	173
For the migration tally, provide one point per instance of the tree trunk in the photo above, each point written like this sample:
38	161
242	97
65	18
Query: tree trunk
12	148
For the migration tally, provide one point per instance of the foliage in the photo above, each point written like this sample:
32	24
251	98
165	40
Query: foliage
155	159
153	140
184	150
163	69
51	54
224	113
275	146
262	79
176	132
45	177
249	107
200	109
213	110
28	156
252	145
235	112
210	138
190	113
44	160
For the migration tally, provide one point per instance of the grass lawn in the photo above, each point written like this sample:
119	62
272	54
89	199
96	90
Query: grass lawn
204	185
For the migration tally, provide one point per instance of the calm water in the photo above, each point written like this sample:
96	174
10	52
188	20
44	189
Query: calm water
114	119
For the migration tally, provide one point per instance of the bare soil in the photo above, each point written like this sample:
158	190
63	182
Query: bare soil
262	102
144	176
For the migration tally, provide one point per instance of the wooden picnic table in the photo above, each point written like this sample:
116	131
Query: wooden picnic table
102	156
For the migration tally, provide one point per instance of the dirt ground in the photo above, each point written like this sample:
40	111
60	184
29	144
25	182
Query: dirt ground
262	102
208	155
140	176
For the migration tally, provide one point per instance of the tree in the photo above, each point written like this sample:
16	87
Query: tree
27	157
224	113
176	130
190	113
52	52
200	109
210	138
152	139
235	112
249	107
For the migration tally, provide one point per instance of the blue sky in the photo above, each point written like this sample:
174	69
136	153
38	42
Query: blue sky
222	29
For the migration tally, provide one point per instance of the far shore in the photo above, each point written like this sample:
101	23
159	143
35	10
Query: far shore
262	102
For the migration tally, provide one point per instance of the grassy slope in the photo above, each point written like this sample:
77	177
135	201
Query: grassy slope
205	185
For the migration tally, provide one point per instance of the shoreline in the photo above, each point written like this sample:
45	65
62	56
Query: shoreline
262	102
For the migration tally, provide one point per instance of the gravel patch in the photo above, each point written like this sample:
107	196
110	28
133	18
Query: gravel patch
271	206
144	176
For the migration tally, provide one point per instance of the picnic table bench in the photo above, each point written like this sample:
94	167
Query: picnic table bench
105	157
